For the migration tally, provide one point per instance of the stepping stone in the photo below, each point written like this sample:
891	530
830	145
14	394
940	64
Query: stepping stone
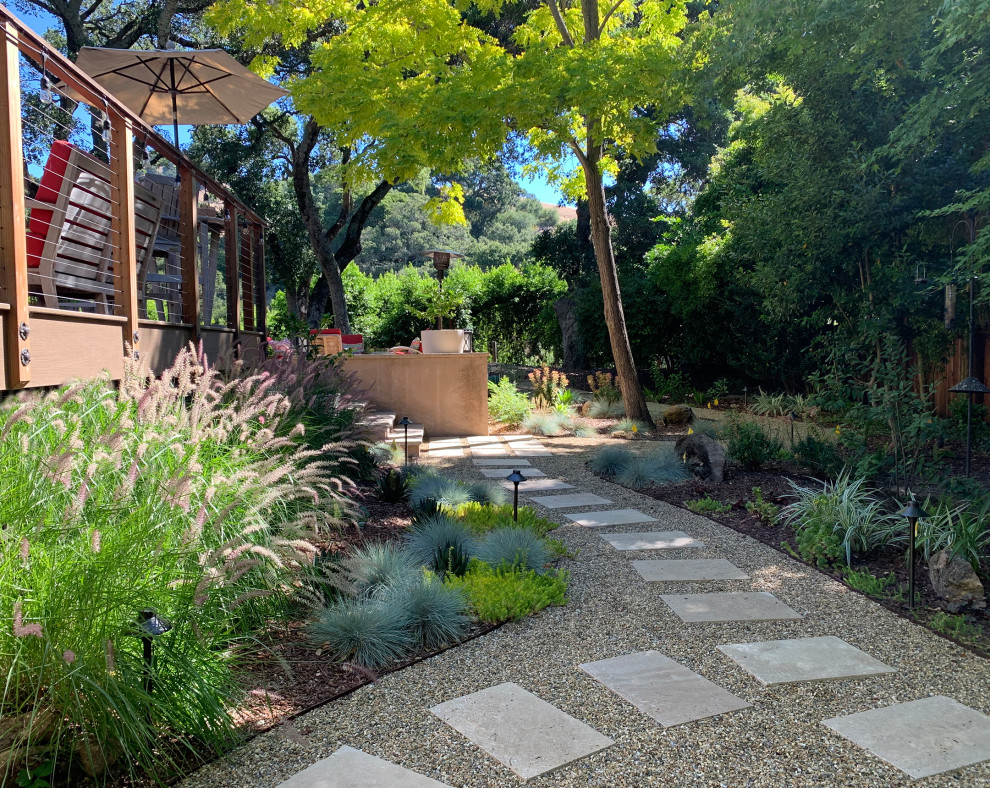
445	443
662	688
501	473
482	439
517	438
520	730
566	501
487	452
729	606
350	768
659	540
538	485
614	517
446	452
509	463
688	569
922	737
804	659
533	453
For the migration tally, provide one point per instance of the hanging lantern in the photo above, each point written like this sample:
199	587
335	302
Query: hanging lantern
921	274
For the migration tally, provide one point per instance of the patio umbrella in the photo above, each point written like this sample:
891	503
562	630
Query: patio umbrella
205	86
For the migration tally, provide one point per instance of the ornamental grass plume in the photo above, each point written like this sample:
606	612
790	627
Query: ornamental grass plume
193	494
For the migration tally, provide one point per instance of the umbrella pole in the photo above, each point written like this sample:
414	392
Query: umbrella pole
175	127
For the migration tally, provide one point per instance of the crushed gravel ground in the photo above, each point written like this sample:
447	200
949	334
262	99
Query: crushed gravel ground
780	741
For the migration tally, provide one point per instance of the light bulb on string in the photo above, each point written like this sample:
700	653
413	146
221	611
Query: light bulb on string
45	95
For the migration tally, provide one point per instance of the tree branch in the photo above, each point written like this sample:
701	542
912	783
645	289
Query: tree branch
346	199
351	247
608	15
559	20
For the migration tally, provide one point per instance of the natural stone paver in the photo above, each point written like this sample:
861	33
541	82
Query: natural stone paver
729	606
487	452
482	439
922	737
682	569
651	540
524	732
614	517
538	485
445	452
662	688
501	473
444	443
804	659
508	462
533	452
567	501
350	768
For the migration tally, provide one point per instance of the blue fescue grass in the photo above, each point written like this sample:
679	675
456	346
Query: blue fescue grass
610	461
515	548
370	632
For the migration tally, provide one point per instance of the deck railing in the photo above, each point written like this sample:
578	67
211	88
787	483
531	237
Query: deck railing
109	236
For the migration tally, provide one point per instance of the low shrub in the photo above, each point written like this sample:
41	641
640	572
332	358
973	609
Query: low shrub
392	486
546	383
480	519
441	543
506	403
513	548
496	595
818	455
610	461
749	444
866	582
708	505
371	632
605	388
669	385
767	511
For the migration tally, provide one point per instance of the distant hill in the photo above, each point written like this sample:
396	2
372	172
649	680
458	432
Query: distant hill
565	213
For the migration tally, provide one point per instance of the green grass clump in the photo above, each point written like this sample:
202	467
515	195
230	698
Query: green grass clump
514	548
610	461
506	403
440	543
708	505
867	583
497	595
480	518
371	632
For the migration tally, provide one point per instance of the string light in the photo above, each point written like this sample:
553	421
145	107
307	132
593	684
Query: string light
45	94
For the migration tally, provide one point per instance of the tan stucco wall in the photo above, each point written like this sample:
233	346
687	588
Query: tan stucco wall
446	393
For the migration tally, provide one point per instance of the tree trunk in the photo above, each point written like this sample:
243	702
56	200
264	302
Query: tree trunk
318	303
574	357
615	320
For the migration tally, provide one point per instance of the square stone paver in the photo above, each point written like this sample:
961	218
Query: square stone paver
614	517
350	768
688	569
485	451
532	452
508	463
445	452
566	501
538	485
922	737
482	439
650	540
444	443
501	473
662	688
520	730
804	659
729	606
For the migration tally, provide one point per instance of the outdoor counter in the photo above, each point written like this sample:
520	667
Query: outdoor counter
445	392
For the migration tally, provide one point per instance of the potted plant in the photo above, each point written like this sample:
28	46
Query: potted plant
443	304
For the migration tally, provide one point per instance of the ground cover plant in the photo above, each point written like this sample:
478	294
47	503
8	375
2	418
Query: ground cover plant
191	495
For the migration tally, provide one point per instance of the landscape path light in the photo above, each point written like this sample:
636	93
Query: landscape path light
913	512
405	430
149	625
969	386
515	477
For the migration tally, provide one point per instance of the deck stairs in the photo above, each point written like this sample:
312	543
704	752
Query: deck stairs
382	427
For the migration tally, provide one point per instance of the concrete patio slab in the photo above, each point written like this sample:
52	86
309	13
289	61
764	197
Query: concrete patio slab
501	473
662	688
567	501
656	540
729	606
613	517
921	737
686	569
350	768
507	462
520	730
539	485
804	659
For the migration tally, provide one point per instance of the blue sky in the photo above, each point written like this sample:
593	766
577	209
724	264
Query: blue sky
538	187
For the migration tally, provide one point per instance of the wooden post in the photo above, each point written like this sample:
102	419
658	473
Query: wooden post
188	246
13	227
122	214
232	265
259	267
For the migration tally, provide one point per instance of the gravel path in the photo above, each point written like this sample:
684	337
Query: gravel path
780	741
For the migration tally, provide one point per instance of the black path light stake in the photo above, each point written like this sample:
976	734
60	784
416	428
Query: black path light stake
745	396
515	477
793	417
149	626
913	512
405	429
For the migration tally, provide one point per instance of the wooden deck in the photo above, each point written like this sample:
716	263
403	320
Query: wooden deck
151	292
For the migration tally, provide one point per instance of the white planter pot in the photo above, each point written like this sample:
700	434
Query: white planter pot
446	340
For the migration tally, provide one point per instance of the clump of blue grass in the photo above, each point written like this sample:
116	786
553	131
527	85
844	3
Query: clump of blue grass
434	541
584	431
668	466
487	492
609	461
515	548
600	409
374	568
370	632
436	614
631	428
547	423
428	492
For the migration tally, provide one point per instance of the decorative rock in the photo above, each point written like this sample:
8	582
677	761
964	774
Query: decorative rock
955	581
677	415
705	456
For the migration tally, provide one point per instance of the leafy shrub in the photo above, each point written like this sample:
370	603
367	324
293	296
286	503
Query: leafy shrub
435	614
669	385
604	388
547	423
371	632
496	595
609	461
513	548
506	403
480	519
818	455
708	505
717	390
749	444
441	543
765	510
191	495
546	384
563	401
840	517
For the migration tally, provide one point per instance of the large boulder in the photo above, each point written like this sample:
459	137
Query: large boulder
678	415
955	581
704	455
